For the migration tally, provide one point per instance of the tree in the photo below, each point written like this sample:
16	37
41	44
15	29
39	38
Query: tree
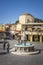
17	22
38	20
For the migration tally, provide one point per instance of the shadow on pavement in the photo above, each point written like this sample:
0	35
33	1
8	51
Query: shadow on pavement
3	53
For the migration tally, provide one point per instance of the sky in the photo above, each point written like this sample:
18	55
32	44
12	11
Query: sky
10	10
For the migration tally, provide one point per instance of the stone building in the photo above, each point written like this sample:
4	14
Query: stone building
2	28
32	29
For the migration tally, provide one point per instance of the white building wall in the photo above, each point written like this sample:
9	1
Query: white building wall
18	27
23	19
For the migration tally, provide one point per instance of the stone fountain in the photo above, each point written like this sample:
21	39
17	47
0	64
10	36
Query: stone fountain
24	48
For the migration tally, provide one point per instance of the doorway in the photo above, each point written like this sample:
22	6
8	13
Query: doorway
27	37
36	38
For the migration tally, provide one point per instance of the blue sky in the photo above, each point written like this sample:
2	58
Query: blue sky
10	10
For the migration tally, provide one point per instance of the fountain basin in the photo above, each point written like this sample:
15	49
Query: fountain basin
21	49
24	48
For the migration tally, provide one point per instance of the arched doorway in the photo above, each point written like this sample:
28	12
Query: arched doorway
36	38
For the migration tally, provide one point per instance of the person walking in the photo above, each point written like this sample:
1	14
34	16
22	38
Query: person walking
4	45
18	40
8	46
25	39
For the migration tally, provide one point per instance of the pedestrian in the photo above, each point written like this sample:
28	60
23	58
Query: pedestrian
8	46
24	38
18	39
21	39
4	45
13	36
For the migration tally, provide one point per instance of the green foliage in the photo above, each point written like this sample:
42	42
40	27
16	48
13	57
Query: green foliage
38	20
17	22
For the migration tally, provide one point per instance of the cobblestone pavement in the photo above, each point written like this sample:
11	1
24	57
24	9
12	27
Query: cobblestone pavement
10	59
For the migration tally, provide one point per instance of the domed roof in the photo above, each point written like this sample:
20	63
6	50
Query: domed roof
27	14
